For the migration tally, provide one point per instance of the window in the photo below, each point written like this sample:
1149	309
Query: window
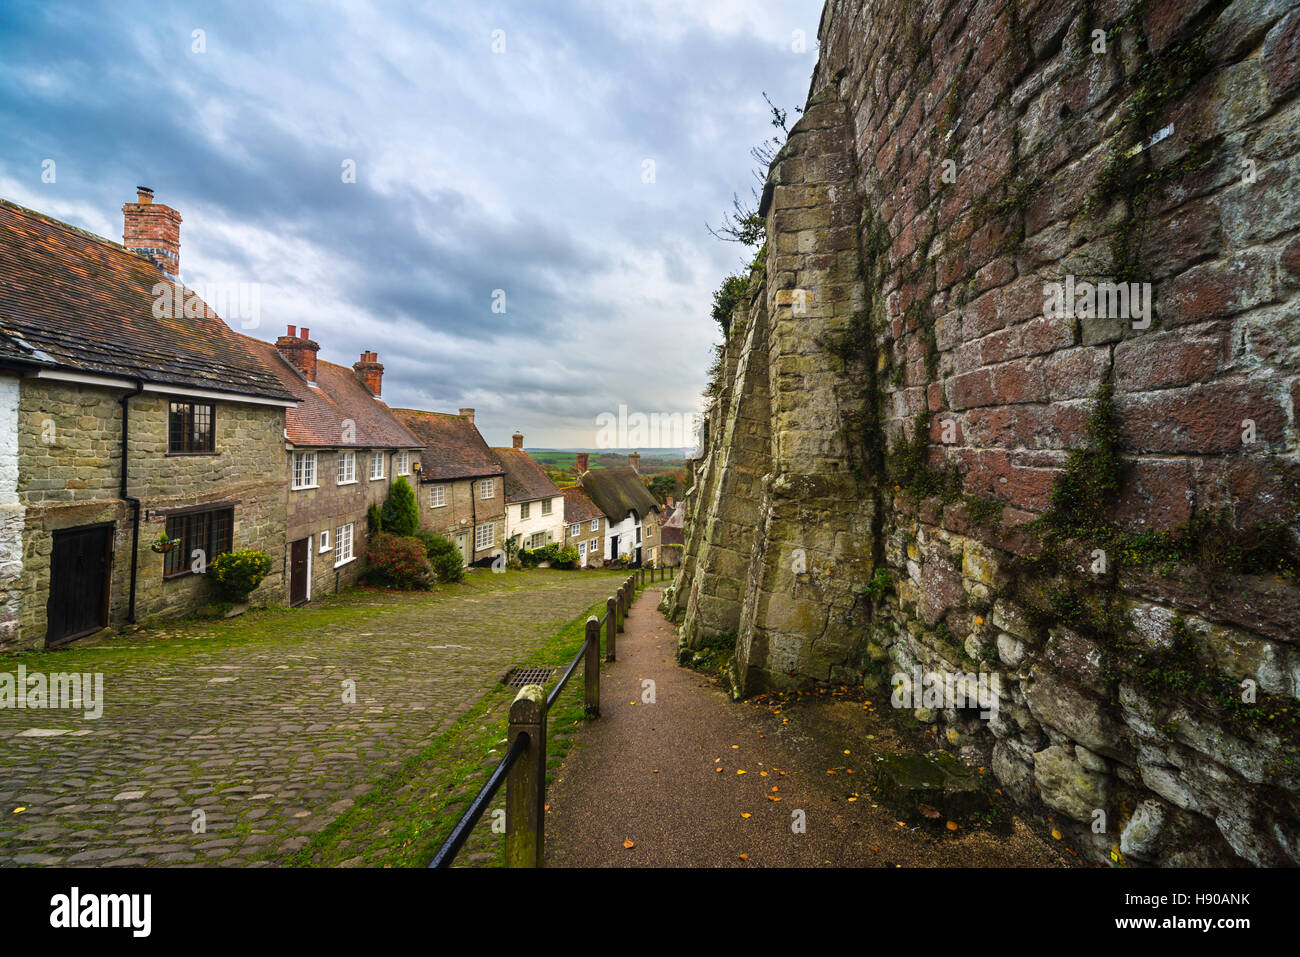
487	489
376	465
343	545
575	529
595	525
403	463
208	531
536	540
546	506
437	496
638	534
593	545
347	468
484	537
325	540
524	509
190	428
304	469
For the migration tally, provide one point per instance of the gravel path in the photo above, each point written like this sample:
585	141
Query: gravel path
665	777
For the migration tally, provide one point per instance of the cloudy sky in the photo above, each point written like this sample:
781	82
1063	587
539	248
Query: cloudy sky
568	154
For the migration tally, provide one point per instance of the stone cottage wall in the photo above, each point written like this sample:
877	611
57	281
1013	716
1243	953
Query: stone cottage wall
69	448
1102	510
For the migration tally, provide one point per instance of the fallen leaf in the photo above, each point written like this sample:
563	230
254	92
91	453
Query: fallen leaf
740	772
629	844
762	774
719	770
931	812
655	771
735	747
846	751
951	825
744	814
19	810
1056	835
744	857
775	789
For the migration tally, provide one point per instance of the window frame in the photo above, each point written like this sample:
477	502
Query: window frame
344	545
440	491
546	507
402	463
315	473
176	563
351	459
491	537
376	457
323	540
525	511
595	525
174	405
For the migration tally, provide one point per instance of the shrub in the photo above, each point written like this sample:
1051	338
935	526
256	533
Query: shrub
374	519
400	514
397	561
565	558
238	573
447	561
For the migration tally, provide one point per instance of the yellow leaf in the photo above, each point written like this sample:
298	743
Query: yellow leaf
744	857
19	810
846	751
655	771
735	747
719	770
951	825
740	772
763	773
775	789
629	844
1056	834
744	814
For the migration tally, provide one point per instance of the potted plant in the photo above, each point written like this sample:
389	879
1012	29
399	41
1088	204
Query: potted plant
163	544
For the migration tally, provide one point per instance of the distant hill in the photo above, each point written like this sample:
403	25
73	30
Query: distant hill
561	464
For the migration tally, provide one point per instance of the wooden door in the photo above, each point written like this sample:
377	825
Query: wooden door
80	573
462	542
298	571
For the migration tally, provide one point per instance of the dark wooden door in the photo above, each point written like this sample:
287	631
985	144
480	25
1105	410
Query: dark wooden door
298	572
80	572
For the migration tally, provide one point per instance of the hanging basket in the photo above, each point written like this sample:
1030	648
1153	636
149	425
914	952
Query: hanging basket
162	548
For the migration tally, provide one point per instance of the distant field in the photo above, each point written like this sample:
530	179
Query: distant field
561	466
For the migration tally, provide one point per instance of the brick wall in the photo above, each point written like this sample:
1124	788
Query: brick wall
1102	509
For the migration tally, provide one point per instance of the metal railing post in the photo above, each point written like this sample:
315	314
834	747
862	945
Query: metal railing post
591	669
526	784
611	627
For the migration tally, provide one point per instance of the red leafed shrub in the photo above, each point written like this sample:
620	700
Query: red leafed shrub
395	561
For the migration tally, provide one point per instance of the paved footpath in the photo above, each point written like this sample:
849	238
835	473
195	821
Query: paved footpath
243	726
666	778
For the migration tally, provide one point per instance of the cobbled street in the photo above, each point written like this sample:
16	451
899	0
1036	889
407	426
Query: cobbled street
246	720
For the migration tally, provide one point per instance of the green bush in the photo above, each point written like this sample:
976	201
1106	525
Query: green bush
374	519
400	515
447	561
565	558
238	573
396	561
549	552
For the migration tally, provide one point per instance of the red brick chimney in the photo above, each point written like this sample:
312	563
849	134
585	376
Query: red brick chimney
154	230
300	351
370	372
582	462
518	440
467	414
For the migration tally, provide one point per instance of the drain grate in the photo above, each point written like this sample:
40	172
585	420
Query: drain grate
518	677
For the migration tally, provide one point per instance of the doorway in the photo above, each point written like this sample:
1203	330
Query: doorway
299	571
80	572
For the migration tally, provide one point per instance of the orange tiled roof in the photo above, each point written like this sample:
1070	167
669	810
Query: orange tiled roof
71	300
452	446
321	418
578	506
526	481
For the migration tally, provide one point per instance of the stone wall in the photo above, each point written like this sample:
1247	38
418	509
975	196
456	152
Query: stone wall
69	452
915	460
463	511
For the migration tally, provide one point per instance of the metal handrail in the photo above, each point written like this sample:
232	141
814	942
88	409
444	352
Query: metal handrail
460	833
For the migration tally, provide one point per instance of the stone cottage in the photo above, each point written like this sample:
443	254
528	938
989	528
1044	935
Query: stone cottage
343	449
461	491
128	409
534	506
584	525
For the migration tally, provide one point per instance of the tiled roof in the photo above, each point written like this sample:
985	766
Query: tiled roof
320	420
526	481
453	448
578	506
71	300
674	527
618	491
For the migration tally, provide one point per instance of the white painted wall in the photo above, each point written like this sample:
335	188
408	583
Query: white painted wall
12	513
626	533
552	524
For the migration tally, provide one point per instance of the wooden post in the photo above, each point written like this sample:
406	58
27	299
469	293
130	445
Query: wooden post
526	783
611	627
591	669
622	605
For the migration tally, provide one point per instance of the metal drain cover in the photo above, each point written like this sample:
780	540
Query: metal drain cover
518	677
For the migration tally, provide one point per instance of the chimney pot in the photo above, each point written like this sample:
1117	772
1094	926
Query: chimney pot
293	332
304	333
518	439
143	195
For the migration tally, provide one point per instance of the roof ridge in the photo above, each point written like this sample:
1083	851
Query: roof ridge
68	226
